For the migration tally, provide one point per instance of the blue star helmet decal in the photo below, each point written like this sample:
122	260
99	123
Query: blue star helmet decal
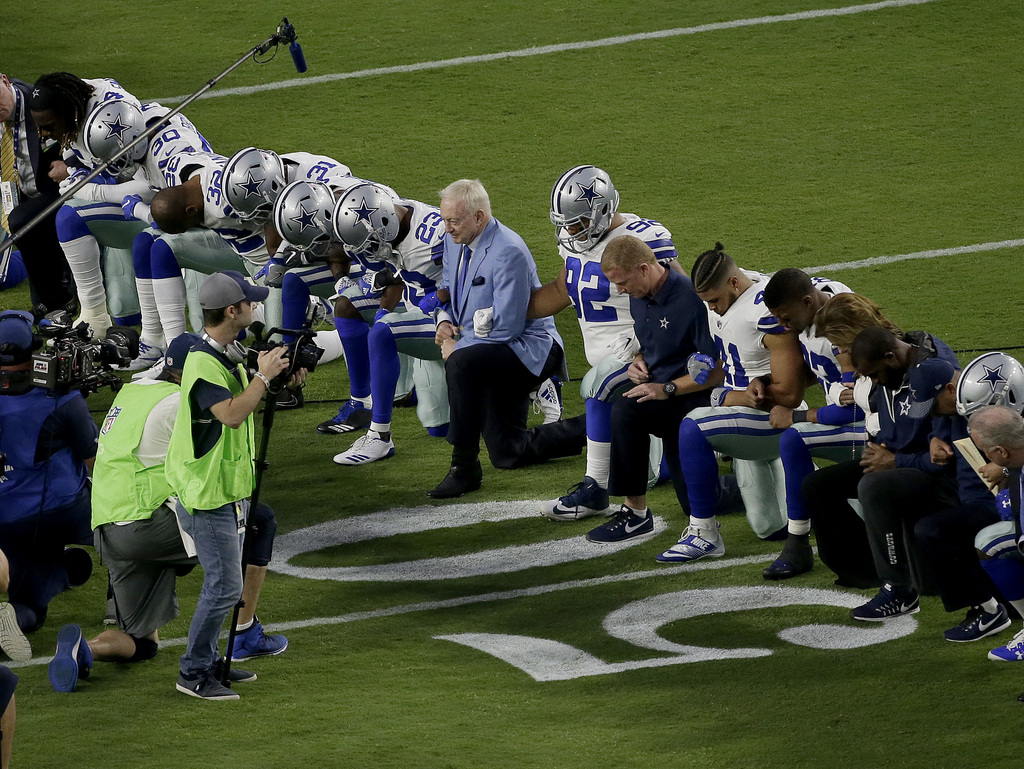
363	212
305	218
589	194
251	185
116	128
993	377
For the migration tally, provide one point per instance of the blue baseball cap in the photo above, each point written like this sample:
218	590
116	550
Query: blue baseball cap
178	349
16	338
223	289
928	378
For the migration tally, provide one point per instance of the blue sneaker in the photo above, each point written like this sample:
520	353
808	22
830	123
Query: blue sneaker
72	661
979	624
625	525
1012	652
351	416
890	602
583	500
255	643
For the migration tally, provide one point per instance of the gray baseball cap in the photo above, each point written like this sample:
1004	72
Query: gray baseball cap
223	289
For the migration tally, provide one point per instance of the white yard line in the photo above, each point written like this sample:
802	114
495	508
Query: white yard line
861	263
543	50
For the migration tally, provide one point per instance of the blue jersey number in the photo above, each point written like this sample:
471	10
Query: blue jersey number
321	171
428	227
588	289
735	376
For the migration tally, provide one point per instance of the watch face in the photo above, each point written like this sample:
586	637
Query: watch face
670	388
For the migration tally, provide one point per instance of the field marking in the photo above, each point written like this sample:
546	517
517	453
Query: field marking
875	260
543	50
468	600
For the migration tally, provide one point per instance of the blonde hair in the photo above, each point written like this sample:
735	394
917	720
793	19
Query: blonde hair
844	316
626	253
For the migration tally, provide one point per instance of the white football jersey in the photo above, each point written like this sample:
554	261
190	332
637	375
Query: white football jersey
739	334
602	312
418	257
306	167
245	238
177	137
819	353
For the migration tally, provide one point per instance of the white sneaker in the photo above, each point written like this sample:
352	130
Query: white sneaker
150	373
12	641
547	400
367	448
149	356
695	543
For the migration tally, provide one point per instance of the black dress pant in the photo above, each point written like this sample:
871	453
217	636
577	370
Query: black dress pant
632	425
488	394
49	275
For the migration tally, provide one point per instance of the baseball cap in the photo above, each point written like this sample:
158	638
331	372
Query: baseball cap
16	338
928	378
178	349
223	289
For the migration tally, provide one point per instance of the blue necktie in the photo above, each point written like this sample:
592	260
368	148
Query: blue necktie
463	269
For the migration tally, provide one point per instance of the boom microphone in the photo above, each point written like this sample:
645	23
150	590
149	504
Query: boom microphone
287	31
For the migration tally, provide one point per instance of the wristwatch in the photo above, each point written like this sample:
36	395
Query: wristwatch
670	388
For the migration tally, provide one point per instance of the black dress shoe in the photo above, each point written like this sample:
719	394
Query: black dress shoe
458	481
796	558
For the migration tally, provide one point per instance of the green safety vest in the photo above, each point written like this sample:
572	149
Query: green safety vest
226	473
123	489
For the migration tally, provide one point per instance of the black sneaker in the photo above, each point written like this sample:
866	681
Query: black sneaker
979	624
890	602
205	687
625	525
796	558
235	675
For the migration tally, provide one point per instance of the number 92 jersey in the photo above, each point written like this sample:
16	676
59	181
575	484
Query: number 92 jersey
603	312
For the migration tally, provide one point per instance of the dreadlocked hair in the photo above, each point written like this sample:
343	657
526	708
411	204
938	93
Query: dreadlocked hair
712	268
68	98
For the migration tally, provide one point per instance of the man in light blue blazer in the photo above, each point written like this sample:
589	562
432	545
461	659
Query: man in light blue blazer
493	355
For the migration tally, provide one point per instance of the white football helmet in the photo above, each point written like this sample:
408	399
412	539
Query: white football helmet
302	215
585	201
109	128
992	379
366	221
252	181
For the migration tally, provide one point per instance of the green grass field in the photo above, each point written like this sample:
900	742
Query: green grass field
801	143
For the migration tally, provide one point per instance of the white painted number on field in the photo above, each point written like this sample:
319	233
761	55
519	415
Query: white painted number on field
419	519
638	622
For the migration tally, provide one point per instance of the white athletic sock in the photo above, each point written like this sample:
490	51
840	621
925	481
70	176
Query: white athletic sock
707	524
330	343
366	403
379	427
800	527
83	255
991	606
242	628
152	332
169	294
642	512
599	461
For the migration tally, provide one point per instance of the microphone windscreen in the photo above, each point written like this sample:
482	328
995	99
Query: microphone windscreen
297	56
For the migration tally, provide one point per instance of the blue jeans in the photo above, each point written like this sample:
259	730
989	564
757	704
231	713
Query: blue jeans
219	548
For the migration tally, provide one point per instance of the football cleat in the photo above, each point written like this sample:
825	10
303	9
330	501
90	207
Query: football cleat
584	499
547	400
367	448
796	558
697	542
352	416
890	602
979	624
149	356
625	525
1012	652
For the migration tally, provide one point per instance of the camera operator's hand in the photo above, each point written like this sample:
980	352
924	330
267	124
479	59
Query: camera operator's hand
297	380
273	362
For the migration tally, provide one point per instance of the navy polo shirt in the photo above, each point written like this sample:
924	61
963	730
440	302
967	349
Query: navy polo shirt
671	326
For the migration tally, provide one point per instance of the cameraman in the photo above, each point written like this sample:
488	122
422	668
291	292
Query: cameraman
210	463
50	443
